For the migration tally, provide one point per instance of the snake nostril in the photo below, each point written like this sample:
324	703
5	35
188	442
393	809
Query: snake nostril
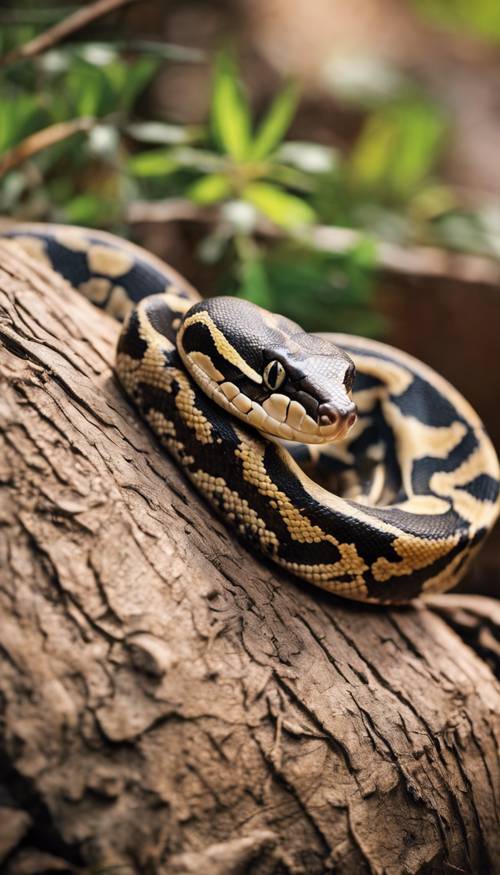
328	414
326	419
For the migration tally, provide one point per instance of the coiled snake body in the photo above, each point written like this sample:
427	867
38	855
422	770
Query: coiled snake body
379	508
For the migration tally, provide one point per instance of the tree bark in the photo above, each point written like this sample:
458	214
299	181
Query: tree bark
171	704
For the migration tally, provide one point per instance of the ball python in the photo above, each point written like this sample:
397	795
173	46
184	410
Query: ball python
345	461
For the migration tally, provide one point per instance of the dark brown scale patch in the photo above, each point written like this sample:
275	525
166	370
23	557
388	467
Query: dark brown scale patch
161	317
309	403
131	343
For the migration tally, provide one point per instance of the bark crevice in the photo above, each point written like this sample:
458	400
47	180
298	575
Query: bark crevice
172	705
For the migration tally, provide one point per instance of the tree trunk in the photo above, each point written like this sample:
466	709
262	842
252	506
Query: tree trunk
173	705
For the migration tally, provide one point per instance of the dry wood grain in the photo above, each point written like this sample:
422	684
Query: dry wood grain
171	704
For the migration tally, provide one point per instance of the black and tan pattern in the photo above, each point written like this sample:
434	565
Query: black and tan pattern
378	507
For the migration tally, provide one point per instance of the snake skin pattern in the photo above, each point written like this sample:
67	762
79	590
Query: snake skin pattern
391	506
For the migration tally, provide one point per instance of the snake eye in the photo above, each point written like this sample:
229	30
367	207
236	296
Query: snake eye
274	374
349	377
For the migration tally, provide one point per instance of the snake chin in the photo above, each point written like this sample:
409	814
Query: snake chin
277	416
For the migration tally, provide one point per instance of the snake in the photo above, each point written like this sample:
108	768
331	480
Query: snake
345	461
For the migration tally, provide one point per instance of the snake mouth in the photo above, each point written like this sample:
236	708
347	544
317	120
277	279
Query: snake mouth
282	417
277	415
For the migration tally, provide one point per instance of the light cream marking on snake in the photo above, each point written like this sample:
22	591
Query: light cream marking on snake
448	483
242	403
396	379
417	440
226	350
112	262
276	406
236	509
417	475
194	419
154	373
376	488
176	304
295	415
72	238
299	526
413	552
119	304
230	391
96	290
204	362
268	416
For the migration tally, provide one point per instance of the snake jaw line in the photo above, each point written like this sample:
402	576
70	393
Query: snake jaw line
277	415
262	417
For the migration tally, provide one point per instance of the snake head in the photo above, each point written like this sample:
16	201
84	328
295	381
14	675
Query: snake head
267	371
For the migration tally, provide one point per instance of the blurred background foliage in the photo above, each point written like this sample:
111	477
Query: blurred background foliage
84	139
481	17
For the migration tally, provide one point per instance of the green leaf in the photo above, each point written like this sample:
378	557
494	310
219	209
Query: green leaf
398	147
6	125
281	207
154	162
129	80
254	285
230	113
276	123
90	209
19	118
210	189
11	37
89	90
322	290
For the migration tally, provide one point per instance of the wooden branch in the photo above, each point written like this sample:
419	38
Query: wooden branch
412	262
171	704
42	140
60	31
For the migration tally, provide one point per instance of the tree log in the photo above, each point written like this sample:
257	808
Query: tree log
171	704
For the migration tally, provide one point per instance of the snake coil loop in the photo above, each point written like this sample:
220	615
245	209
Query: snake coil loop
378	506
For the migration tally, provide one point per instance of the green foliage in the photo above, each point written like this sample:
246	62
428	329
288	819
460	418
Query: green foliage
83	176
482	17
317	289
397	148
387	185
245	163
230	115
279	206
211	189
242	168
275	124
152	163
19	117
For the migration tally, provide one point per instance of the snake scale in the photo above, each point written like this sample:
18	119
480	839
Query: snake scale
347	462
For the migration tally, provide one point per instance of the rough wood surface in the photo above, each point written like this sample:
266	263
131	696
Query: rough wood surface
172	705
